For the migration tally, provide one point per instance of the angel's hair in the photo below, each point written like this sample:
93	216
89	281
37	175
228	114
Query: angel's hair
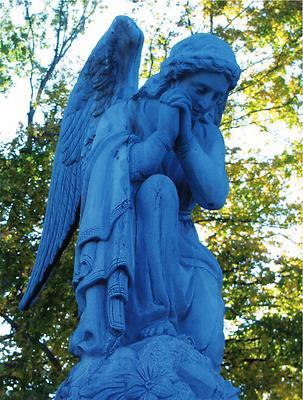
199	52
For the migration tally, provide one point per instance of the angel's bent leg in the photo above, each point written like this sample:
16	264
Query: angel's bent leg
92	336
203	315
156	254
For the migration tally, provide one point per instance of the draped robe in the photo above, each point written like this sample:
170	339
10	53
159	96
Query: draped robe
110	249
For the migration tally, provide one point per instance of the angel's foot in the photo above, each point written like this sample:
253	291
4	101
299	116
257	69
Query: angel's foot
112	343
159	328
188	339
103	346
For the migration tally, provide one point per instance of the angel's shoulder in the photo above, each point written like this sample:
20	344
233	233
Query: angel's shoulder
143	114
114	119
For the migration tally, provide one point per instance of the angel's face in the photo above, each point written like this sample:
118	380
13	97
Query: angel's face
205	89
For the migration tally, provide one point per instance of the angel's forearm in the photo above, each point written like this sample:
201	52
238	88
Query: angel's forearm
206	178
146	156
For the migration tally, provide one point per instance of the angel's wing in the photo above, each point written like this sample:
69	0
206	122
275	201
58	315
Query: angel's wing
109	75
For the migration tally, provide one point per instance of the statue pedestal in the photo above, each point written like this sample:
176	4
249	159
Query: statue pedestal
160	367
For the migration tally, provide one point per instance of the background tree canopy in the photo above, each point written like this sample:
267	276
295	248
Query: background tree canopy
255	236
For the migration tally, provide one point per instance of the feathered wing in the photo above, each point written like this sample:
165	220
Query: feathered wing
109	75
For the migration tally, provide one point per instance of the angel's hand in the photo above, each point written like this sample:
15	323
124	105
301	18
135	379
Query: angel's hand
208	117
180	99
168	121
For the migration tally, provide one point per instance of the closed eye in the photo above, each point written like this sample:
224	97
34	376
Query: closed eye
202	90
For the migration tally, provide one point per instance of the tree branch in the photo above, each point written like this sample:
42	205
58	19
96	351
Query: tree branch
211	19
188	20
242	340
239	221
259	110
6	337
253	360
31	49
52	358
264	73
256	62
238	15
60	51
238	126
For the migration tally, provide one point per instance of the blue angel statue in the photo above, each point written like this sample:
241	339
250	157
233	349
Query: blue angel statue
130	167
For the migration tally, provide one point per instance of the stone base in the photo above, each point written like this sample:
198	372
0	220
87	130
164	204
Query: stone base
160	367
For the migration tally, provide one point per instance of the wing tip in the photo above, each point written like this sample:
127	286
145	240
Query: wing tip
24	303
30	296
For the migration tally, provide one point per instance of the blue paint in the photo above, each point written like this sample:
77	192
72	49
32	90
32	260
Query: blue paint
134	163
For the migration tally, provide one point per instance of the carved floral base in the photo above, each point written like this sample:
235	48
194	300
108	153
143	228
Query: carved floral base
161	367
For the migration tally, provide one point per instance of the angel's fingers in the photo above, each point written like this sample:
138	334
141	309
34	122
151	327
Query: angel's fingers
181	105
169	93
174	94
182	102
168	98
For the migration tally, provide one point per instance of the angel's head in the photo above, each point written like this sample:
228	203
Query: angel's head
202	64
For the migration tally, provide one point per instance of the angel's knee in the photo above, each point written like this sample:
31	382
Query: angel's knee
158	191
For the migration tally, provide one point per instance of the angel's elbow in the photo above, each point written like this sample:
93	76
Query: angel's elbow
216	199
221	198
215	205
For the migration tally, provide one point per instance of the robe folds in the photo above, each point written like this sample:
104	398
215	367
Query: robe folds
105	246
140	255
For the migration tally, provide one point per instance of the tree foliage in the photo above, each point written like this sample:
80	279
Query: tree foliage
249	235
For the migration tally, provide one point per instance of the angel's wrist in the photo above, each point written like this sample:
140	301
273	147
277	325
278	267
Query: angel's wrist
163	139
184	146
